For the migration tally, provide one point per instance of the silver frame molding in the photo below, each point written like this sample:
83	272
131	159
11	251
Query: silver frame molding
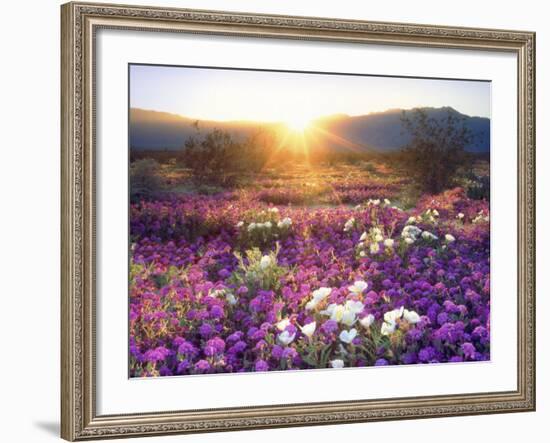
79	22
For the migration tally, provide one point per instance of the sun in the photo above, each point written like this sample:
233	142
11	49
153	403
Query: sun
298	123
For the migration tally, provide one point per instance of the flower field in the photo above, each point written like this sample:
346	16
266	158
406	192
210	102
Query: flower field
296	271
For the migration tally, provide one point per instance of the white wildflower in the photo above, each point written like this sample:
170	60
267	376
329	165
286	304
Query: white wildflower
411	231
388	243
358	287
354	306
335	311
349	224
311	305
411	316
480	217
265	262
330	309
429	236
318	296
348	317
286	337
216	293
231	299
284	223
388	328
309	329
348	336
367	321
321	293
393	316
281	325
449	238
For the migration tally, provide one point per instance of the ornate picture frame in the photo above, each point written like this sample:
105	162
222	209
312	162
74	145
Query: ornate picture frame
80	23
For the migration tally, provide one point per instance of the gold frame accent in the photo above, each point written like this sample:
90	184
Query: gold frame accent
79	21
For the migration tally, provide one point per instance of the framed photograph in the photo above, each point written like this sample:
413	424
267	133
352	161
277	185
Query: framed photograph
282	221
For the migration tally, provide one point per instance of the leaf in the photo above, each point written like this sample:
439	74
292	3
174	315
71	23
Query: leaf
325	355
310	359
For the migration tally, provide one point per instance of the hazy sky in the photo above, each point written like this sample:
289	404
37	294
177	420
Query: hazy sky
220	94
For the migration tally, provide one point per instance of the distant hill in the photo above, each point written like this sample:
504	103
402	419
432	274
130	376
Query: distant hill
381	131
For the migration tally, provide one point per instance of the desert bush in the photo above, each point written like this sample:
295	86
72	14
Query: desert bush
145	179
218	158
369	167
436	150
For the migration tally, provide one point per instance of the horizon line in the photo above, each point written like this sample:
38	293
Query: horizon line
344	115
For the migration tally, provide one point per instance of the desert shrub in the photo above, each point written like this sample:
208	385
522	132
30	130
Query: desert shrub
145	179
409	197
218	158
369	167
436	150
209	157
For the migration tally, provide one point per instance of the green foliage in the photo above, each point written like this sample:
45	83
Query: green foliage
163	279
317	354
409	197
262	229
135	270
145	179
258	271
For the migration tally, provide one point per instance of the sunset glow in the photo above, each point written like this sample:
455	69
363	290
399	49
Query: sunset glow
298	123
293	99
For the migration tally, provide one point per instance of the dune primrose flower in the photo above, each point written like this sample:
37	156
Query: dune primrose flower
286	337
358	287
348	336
309	329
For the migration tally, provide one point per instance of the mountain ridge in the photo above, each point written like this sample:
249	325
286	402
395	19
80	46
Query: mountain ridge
378	131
